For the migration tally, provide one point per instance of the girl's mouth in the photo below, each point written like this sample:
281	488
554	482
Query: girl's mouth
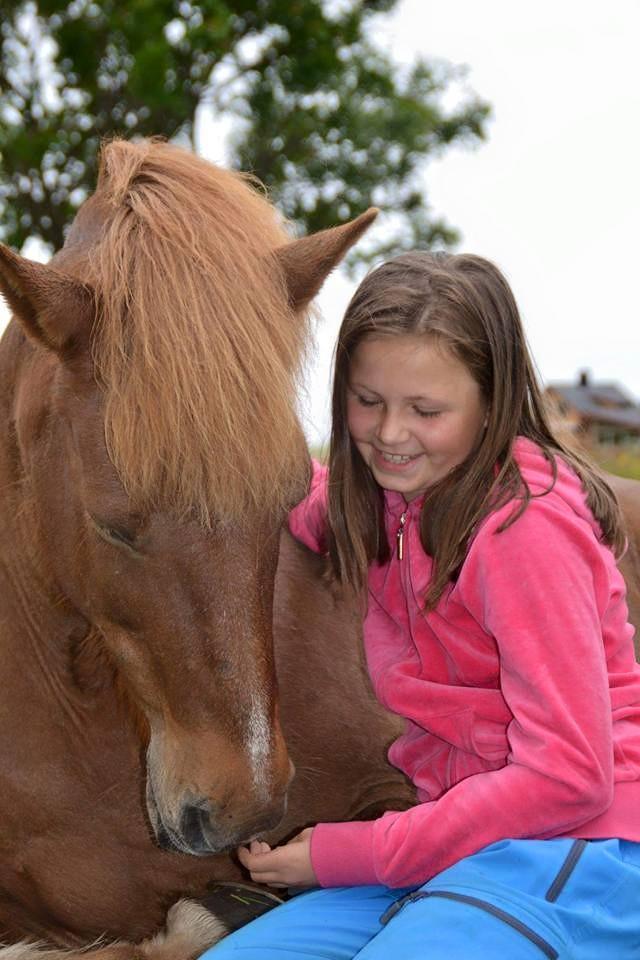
394	460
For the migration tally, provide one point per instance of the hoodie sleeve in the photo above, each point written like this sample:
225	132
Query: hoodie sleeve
540	588
308	520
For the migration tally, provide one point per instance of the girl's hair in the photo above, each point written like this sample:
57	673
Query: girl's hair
465	303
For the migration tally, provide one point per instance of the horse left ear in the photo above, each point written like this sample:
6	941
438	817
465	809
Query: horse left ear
306	263
52	306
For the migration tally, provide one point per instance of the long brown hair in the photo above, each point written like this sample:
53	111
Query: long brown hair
466	303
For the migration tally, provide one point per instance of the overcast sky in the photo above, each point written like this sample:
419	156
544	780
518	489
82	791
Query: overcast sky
553	196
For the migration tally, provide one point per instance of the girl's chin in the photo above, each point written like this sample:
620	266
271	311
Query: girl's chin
410	483
410	486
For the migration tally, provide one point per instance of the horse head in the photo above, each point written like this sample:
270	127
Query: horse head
153	452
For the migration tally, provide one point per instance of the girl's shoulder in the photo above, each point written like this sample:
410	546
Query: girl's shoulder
535	569
551	483
556	512
542	474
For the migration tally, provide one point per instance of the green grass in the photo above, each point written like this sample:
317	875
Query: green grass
624	463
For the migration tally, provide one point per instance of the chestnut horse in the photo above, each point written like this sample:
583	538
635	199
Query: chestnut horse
149	451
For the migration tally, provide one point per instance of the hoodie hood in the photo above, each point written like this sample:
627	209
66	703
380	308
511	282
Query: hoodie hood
538	474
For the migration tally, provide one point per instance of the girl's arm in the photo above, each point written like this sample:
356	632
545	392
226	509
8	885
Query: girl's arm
308	520
542	588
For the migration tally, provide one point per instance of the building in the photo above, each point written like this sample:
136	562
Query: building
598	413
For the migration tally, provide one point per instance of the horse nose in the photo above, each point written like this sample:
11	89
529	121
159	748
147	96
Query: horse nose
193	825
205	829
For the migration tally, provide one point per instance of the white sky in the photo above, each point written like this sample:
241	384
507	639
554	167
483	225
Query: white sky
553	196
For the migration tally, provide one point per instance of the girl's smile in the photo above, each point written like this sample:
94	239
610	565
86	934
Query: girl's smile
393	462
414	411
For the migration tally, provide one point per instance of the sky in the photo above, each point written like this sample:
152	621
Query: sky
552	196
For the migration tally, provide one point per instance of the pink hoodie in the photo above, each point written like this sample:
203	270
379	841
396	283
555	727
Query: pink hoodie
520	690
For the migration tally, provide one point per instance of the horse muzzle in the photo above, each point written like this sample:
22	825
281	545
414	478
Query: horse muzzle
202	828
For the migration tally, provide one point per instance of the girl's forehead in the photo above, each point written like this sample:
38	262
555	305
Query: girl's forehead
407	364
417	351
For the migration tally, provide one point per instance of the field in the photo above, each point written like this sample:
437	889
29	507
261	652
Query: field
624	463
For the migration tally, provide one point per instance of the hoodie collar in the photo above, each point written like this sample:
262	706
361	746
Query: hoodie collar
395	504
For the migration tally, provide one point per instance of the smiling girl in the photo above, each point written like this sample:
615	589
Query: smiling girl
496	625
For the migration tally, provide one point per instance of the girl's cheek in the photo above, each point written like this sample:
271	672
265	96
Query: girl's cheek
355	420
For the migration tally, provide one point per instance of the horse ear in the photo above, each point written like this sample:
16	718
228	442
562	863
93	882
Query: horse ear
306	263
52	306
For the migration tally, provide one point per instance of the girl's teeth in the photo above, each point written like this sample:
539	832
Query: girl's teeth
395	458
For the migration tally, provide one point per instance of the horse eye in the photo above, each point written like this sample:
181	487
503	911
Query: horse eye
120	536
116	535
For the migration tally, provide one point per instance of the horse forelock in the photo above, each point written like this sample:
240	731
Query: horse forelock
195	346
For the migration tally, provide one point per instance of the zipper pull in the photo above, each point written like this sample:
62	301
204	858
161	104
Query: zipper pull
400	534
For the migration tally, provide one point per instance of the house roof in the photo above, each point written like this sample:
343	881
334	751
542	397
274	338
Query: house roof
604	402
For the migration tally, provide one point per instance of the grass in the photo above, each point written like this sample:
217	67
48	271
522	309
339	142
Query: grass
624	463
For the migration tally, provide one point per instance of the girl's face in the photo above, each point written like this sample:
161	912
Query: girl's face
413	409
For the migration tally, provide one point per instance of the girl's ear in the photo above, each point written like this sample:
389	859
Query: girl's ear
53	307
306	263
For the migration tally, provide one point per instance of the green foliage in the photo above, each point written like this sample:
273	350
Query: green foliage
322	116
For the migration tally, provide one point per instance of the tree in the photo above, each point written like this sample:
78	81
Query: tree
321	115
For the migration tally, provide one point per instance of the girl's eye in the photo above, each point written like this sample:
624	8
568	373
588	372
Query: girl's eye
365	401
427	413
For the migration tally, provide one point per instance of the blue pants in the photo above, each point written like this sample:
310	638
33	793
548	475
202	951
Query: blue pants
514	900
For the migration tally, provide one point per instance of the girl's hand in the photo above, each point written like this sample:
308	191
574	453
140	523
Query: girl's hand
287	866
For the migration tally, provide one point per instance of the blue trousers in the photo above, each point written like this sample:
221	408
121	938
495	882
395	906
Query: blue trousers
513	900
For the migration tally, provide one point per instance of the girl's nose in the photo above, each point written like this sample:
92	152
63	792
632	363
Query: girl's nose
391	430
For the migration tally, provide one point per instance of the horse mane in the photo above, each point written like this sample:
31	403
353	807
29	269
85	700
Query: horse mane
195	345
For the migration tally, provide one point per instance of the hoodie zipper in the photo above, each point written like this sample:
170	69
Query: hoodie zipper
400	534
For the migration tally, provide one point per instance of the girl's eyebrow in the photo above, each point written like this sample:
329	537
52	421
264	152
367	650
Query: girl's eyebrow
360	386
422	398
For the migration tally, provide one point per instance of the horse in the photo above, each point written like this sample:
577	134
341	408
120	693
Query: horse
627	492
179	676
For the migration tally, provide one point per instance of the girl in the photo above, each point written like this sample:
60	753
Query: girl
496	624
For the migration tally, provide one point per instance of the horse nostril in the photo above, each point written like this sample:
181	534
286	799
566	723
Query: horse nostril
205	827
193	823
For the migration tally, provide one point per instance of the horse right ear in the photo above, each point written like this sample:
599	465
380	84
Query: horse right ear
306	263
52	306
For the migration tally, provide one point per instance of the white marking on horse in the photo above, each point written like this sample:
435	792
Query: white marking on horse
259	742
